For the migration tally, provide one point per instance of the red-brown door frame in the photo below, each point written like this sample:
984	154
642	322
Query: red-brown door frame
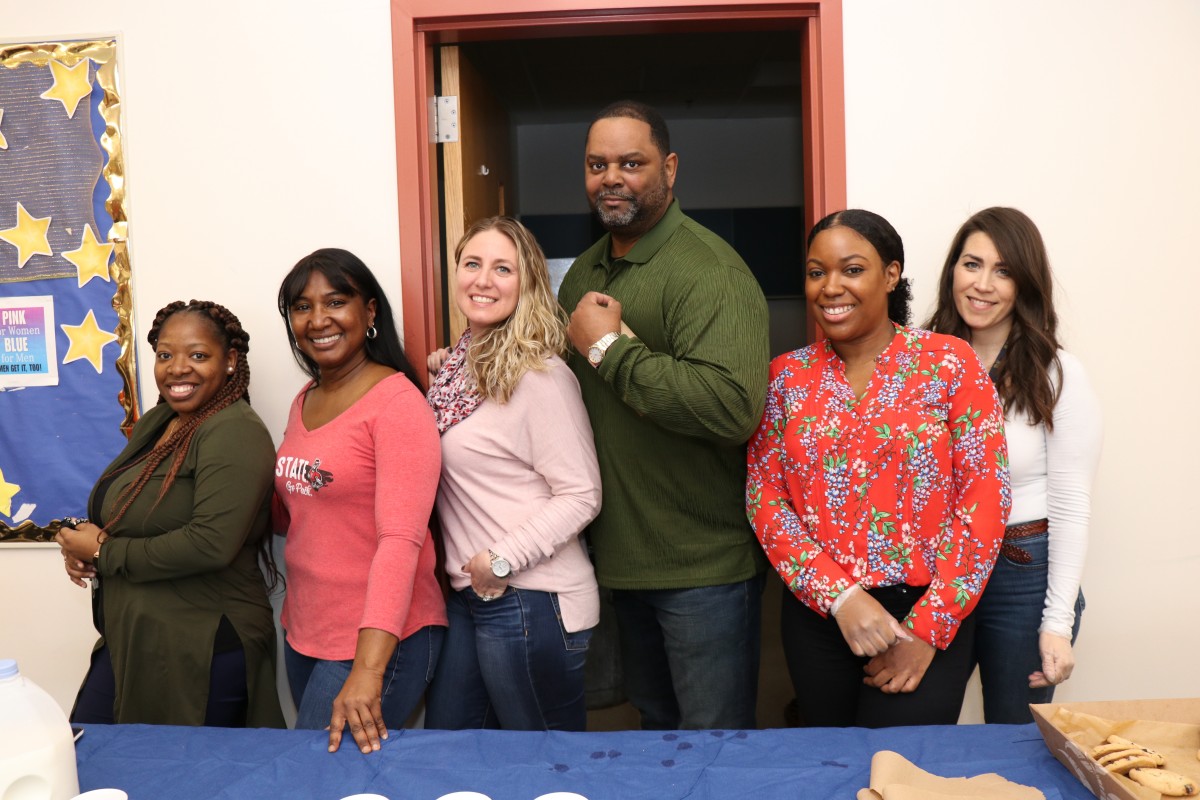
418	25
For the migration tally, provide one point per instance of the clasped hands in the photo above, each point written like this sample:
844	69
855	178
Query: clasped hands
898	659
595	315
78	545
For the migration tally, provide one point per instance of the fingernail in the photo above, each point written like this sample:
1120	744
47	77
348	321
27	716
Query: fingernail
366	750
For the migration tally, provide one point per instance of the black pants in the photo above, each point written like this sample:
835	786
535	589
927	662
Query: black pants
227	695
828	677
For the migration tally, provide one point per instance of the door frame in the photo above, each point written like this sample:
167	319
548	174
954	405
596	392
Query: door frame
418	26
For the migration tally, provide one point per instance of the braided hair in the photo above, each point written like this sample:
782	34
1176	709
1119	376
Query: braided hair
232	336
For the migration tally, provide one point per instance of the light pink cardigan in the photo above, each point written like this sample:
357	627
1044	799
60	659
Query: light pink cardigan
521	479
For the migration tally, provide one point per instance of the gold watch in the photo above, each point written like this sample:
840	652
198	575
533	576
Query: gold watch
596	352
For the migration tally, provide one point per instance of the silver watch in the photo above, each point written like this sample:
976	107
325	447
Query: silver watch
596	352
500	566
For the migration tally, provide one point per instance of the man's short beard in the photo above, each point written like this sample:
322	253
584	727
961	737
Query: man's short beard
637	211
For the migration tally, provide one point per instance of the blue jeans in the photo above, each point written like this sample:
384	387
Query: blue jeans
690	656
509	663
315	682
1006	633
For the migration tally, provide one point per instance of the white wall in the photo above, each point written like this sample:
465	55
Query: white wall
256	132
1081	113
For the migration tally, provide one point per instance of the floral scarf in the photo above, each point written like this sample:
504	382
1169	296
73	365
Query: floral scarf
453	394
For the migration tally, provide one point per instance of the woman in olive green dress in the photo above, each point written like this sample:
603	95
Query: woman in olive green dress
187	633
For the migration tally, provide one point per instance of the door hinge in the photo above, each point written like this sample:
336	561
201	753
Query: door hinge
443	118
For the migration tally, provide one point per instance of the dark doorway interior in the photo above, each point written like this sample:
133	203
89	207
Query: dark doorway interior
732	101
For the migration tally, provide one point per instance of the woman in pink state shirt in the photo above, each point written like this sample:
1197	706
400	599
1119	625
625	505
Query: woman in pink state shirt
519	483
356	477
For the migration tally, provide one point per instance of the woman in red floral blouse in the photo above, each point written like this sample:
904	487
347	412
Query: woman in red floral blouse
878	486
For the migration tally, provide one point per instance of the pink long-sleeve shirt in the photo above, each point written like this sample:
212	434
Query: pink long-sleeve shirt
521	479
358	492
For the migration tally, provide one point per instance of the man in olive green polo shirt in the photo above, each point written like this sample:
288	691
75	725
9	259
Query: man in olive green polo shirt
670	329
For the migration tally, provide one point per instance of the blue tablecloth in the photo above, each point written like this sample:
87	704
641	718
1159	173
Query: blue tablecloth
152	762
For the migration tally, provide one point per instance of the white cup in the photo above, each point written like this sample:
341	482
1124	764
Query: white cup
102	794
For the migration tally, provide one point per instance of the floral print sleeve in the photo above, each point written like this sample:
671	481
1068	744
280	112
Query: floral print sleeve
906	485
781	456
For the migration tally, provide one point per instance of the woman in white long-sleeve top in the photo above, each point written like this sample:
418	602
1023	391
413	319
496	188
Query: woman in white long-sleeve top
519	482
996	291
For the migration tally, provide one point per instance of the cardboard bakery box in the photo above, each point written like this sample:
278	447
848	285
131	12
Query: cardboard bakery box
1071	730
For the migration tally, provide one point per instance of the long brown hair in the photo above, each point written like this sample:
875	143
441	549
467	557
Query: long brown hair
1023	375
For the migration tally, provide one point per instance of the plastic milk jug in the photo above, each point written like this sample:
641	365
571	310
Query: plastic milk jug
37	750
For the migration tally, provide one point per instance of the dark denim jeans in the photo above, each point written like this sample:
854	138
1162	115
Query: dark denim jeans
1006	633
315	683
690	656
509	663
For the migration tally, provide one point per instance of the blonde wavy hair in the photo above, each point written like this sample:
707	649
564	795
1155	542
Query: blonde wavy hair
537	328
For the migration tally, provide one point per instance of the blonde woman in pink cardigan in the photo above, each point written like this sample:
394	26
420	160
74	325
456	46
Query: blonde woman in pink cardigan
519	482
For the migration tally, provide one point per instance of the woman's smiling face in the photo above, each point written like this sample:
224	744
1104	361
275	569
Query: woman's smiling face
191	363
984	290
847	284
487	279
330	326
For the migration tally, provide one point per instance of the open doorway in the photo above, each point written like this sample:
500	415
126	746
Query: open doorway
732	101
419	27
733	104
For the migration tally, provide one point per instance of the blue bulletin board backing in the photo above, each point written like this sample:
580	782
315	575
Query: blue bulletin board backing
68	378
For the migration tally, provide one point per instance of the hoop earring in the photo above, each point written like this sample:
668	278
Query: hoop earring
371	332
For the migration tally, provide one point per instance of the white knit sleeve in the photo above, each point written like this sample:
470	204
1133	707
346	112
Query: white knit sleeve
1072	453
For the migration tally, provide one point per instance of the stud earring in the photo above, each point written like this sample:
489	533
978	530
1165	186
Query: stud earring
230	370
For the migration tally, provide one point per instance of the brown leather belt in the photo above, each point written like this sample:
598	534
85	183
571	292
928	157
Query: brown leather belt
1021	531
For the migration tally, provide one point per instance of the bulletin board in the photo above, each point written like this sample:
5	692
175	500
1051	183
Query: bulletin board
68	377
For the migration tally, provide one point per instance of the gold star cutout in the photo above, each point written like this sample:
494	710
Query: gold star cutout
3	141
71	84
87	341
91	259
29	236
7	490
